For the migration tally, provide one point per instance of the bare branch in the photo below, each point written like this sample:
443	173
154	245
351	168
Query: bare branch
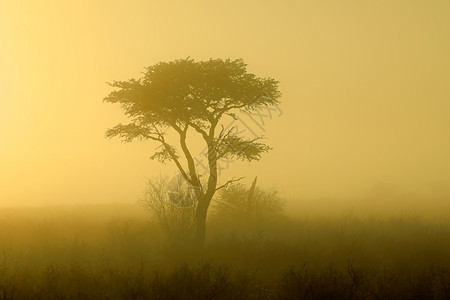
229	182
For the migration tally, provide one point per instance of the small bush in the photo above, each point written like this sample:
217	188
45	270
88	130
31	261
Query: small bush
233	203
172	206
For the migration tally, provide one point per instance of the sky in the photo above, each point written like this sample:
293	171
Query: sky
365	85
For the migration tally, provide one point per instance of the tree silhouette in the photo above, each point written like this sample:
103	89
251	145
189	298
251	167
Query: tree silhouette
173	97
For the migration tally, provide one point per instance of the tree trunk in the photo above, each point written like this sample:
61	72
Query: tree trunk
205	199
200	229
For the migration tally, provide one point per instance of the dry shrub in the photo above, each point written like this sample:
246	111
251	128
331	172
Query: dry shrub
172	205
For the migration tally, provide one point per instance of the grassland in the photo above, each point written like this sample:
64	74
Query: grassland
119	252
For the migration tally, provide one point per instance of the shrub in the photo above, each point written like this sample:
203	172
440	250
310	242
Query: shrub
234	203
172	204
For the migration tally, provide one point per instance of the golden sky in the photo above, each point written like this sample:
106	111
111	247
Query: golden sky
366	92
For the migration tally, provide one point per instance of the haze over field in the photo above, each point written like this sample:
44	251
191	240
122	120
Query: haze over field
365	105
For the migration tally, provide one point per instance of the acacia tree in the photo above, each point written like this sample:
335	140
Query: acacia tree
174	97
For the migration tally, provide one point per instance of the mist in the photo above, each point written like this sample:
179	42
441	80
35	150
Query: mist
365	93
361	130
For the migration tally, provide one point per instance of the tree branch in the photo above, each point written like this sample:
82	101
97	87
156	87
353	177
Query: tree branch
236	146
229	182
173	155
190	160
227	108
198	129
221	138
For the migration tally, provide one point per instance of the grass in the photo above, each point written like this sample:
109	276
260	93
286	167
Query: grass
118	252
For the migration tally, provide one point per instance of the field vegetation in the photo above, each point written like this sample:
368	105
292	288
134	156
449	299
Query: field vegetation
123	252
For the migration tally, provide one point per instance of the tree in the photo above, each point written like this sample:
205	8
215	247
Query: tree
173	97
